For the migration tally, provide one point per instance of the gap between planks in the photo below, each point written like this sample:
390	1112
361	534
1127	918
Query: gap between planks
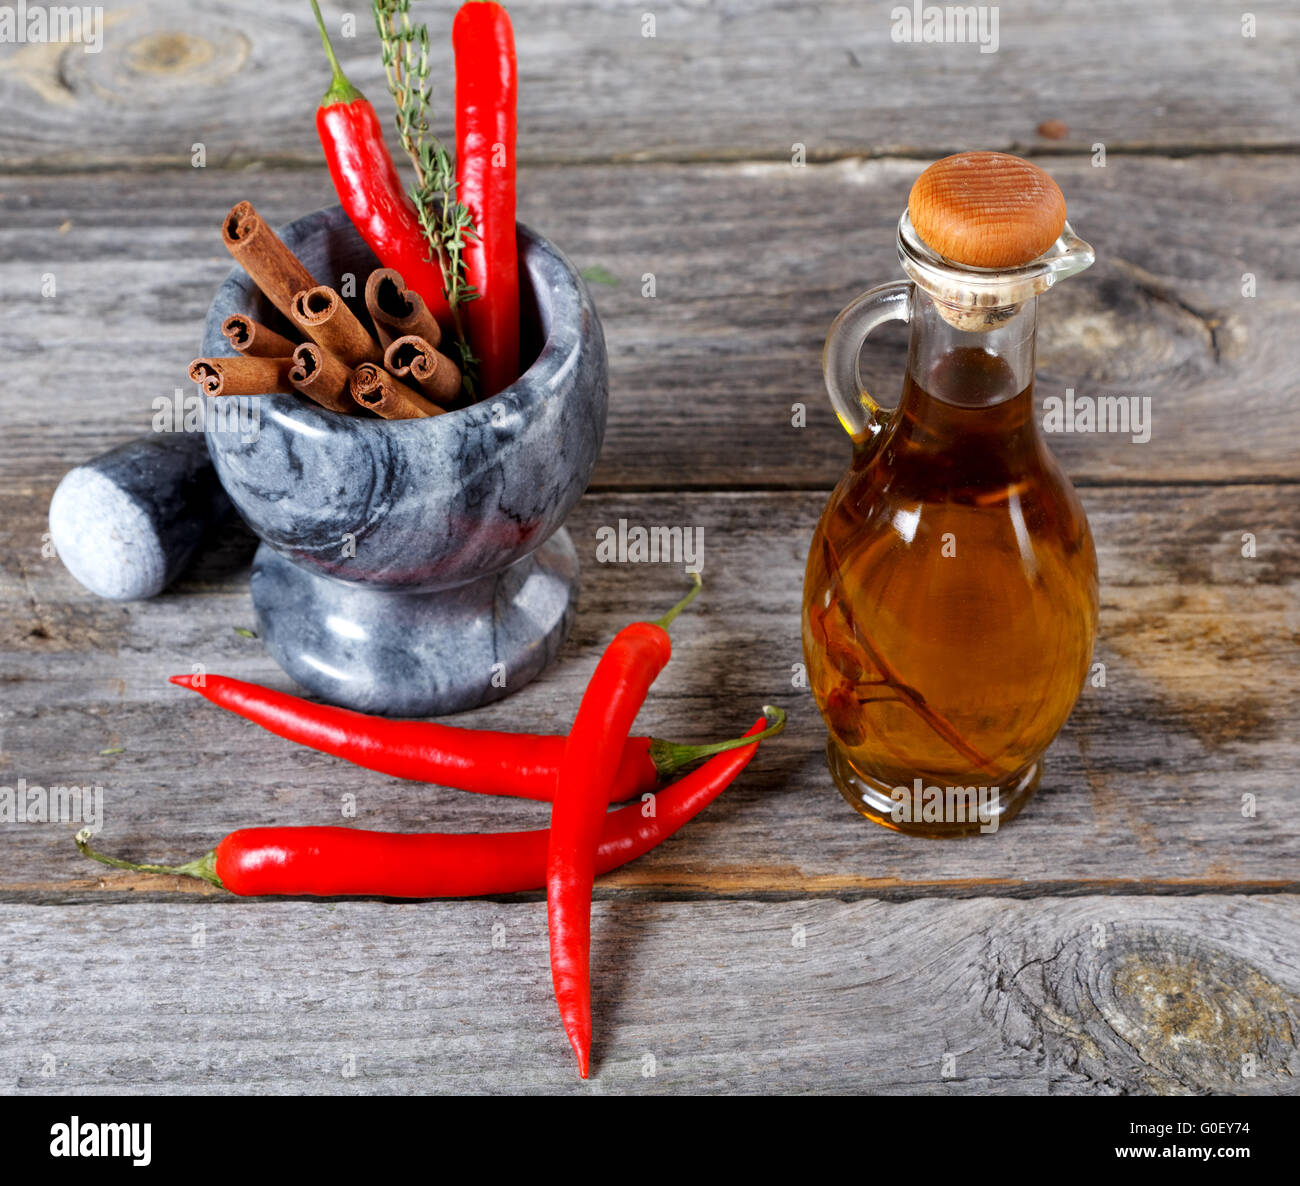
130	888
740	157
798	487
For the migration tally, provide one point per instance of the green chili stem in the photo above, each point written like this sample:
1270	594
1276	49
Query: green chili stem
670	756
667	619
341	90
204	869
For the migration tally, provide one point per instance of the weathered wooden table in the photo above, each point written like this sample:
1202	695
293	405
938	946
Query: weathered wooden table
1136	930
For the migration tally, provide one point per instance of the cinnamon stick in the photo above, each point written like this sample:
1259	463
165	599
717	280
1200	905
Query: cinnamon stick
435	374
252	337
258	250
322	378
374	388
242	375
398	311
321	313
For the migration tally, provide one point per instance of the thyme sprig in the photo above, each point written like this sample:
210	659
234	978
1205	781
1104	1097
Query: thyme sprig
446	222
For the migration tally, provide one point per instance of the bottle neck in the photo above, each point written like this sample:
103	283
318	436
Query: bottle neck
968	394
971	369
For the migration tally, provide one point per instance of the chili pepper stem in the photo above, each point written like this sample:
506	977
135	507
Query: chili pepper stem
341	90
667	619
204	869
670	756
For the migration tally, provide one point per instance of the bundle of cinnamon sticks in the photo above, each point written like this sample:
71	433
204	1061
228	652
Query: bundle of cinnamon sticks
396	371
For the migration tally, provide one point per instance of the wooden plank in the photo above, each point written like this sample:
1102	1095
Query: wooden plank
750	263
1079	997
1144	788
744	78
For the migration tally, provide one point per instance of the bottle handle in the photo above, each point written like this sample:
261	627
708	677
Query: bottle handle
857	412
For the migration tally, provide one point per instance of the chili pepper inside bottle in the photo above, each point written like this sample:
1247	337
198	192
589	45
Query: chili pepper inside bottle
950	598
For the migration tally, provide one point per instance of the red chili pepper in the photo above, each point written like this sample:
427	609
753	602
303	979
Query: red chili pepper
333	862
370	190
483	761
486	90
617	690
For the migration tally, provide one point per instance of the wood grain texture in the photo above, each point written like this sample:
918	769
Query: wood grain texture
733	79
1134	931
750	264
1144	788
992	997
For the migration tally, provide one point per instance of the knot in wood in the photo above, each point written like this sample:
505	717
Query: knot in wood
1153	1008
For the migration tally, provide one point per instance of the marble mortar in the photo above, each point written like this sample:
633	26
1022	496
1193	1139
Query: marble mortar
418	567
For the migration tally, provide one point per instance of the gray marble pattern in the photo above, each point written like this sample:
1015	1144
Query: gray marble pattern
405	565
424	504
417	654
127	522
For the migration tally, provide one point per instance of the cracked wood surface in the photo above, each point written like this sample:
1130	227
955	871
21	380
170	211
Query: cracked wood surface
751	263
1102	996
730	79
1145	788
1134	931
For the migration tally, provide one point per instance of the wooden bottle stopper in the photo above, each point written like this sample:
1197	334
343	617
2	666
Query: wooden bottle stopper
987	209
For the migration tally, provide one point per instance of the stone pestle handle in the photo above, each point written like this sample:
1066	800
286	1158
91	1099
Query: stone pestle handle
126	523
